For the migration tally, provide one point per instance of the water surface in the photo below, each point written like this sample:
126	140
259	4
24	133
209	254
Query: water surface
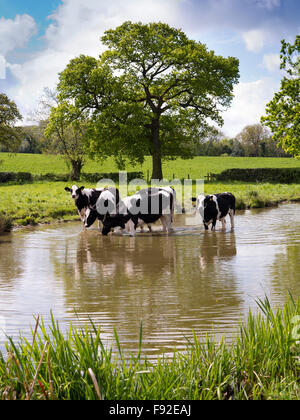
175	284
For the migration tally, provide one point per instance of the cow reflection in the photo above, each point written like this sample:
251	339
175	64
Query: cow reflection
118	257
215	247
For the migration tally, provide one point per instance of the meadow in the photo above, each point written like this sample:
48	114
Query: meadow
196	168
261	363
45	202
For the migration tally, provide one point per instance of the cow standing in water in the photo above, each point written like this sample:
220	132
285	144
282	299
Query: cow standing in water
86	198
216	207
145	207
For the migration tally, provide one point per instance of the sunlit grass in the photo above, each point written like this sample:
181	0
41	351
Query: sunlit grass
196	168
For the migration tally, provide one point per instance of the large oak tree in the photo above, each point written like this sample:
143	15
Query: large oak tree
154	91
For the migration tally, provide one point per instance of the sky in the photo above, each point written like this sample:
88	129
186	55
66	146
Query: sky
39	38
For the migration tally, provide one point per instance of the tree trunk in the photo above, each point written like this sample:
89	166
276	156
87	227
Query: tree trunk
76	169
156	151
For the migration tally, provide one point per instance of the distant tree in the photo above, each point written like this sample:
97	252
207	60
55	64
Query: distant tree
253	138
66	132
283	111
9	116
153	92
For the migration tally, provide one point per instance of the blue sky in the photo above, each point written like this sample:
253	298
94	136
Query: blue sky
38	38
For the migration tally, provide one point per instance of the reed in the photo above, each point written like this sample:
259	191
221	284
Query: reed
261	363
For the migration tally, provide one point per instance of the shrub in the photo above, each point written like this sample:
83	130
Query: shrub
15	177
5	224
277	175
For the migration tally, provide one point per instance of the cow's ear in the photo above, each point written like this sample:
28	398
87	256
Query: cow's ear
211	198
81	188
68	189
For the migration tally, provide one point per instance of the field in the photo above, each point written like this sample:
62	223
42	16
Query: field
45	202
196	168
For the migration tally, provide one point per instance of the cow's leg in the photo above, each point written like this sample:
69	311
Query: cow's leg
214	224
205	226
150	228
166	220
223	221
130	227
231	214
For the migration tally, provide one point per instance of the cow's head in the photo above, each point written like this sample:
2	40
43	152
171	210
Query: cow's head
75	191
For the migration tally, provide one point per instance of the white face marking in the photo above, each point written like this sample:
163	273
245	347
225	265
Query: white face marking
200	204
73	192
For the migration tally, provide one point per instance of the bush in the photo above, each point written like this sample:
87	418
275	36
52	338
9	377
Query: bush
15	177
26	177
5	224
114	176
276	175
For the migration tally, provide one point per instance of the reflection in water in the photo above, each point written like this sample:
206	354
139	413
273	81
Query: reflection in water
174	284
189	280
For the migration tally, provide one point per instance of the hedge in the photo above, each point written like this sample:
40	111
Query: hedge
26	177
276	175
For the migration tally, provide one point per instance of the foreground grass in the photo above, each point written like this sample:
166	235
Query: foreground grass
261	363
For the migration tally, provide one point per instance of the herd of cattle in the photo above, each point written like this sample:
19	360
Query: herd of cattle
145	207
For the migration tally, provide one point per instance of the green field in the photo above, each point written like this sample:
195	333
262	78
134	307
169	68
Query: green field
196	168
45	202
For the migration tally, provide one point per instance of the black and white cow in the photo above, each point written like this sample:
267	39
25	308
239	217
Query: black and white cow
216	207
147	206
87	198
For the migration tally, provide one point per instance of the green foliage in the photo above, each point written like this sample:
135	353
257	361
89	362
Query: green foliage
9	115
5	224
66	131
151	92
276	175
283	112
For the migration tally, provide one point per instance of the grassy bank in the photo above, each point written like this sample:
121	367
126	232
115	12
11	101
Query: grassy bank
47	202
261	363
41	202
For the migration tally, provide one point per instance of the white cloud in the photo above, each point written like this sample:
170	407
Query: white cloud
249	104
271	62
254	39
15	33
2	67
269	4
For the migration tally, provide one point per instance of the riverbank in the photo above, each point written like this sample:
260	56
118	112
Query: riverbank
48	202
261	363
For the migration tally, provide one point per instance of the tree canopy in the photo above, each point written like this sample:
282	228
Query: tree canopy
9	115
153	91
283	111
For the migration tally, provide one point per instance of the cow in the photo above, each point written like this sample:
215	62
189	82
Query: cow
169	190
216	207
86	198
147	206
